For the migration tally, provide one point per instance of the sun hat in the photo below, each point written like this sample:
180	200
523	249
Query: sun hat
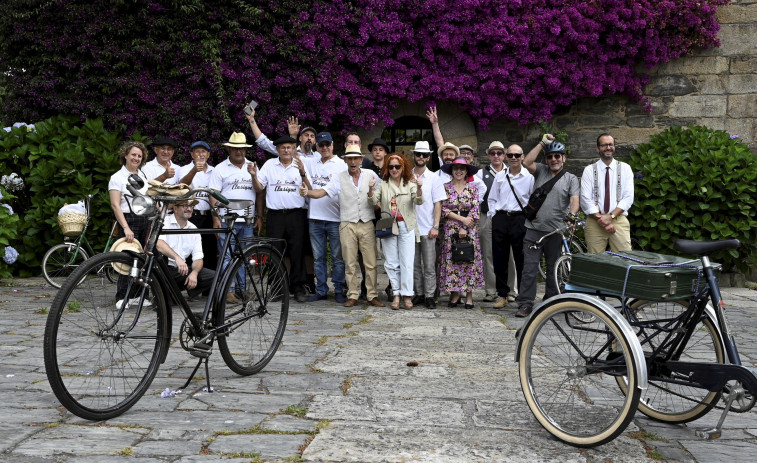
352	152
322	137
379	142
447	146
284	139
160	141
421	147
199	144
447	168
495	145
122	245
237	140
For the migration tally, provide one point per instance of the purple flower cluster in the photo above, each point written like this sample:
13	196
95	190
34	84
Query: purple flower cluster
156	68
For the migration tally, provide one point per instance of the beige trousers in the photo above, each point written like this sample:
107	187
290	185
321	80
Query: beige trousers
359	236
597	238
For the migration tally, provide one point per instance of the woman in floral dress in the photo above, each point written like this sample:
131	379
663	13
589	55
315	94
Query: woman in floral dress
460	216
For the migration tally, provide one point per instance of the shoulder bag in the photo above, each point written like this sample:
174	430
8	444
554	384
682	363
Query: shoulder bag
539	195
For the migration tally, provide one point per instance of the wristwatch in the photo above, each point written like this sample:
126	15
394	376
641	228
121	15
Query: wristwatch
612	216
435	227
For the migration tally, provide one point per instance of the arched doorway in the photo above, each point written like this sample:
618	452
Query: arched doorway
406	131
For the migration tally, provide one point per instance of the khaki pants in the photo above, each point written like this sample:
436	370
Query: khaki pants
359	236
597	238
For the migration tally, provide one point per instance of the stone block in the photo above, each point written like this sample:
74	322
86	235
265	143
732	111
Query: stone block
742	105
737	39
669	85
744	128
699	106
715	123
742	83
734	14
635	135
743	65
697	64
640	121
711	84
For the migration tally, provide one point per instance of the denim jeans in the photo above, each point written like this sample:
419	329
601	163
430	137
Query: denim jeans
243	231
399	260
322	231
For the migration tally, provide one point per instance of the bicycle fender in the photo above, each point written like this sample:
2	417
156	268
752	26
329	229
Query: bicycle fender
607	309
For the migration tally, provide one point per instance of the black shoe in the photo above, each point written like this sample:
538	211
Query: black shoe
418	300
300	294
524	311
318	297
430	303
388	291
453	304
468	306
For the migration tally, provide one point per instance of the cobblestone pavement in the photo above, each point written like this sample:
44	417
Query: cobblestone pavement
339	389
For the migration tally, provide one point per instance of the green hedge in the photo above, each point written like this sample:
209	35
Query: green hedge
698	184
61	162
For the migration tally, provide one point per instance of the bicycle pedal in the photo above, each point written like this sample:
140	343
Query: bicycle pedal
201	350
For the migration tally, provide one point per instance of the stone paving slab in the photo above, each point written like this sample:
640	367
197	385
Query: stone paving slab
339	389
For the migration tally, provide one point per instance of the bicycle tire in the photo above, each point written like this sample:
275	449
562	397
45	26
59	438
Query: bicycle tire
562	272
259	319
573	397
59	262
666	401
98	369
575	248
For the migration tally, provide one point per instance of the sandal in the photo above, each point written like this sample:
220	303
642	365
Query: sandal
407	305
395	305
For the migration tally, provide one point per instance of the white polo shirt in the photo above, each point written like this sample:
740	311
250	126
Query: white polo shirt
153	170
446	178
282	185
321	174
200	180
501	197
183	245
119	180
234	183
433	191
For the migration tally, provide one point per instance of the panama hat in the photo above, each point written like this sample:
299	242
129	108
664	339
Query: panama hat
448	146
353	151
123	245
421	147
237	140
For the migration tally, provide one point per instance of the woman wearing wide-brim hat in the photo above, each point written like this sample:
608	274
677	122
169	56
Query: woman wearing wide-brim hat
460	215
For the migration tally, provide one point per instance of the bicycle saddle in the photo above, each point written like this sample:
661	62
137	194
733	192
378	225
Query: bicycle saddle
703	248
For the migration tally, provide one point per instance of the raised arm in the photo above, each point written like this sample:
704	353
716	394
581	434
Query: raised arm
529	162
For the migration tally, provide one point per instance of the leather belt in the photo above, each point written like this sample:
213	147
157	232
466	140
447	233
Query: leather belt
206	212
285	211
510	213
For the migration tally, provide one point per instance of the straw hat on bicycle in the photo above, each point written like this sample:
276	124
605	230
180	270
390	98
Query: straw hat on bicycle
123	245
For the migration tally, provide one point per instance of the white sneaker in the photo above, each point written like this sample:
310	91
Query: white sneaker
134	302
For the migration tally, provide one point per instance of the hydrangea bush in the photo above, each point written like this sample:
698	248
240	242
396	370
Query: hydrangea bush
8	233
185	68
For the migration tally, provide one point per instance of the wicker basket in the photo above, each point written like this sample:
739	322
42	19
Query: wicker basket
72	223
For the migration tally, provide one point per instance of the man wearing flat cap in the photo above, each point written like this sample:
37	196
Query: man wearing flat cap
232	179
281	179
184	252
162	167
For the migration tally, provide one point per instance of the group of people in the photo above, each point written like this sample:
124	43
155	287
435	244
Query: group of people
317	202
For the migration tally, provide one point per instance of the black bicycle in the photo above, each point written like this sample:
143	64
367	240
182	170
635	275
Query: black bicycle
586	366
102	351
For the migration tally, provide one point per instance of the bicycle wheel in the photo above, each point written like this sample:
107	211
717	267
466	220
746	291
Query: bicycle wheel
256	323
100	360
665	400
562	272
575	248
567	373
60	261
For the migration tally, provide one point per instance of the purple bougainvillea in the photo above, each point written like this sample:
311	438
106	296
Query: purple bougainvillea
186	68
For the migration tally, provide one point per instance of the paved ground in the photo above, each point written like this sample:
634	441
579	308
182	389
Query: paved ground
339	389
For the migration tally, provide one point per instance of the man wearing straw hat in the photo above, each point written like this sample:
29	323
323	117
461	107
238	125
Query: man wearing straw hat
184	252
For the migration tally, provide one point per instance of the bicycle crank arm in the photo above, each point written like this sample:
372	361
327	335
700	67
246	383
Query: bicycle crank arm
714	376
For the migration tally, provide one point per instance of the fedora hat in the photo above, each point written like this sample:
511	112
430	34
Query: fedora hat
448	146
237	140
447	168
422	147
495	145
378	142
353	151
123	245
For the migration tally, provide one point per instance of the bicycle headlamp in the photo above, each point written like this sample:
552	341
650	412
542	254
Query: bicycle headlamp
143	206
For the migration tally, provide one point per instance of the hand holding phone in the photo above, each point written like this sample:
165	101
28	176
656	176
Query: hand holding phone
250	108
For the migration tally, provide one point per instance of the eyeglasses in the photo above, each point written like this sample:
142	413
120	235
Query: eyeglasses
324	144
514	155
496	153
394	166
421	155
553	156
607	145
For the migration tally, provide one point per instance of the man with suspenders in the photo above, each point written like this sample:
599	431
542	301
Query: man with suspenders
606	196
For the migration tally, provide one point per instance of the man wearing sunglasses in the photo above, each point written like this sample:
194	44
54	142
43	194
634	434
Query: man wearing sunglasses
510	192
562	199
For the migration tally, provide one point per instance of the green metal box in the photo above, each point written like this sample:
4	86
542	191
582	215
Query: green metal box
643	275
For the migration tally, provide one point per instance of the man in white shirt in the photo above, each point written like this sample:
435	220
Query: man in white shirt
233	180
510	193
184	252
196	174
305	136
357	232
162	168
427	216
324	221
281	179
606	195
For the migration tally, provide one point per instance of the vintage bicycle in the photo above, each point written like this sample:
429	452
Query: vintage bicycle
62	259
586	366
101	355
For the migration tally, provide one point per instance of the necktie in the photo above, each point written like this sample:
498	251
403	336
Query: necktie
607	190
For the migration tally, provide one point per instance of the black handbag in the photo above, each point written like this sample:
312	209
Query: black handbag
384	226
462	251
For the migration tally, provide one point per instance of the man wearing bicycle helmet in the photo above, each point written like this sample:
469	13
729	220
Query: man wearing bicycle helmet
562	199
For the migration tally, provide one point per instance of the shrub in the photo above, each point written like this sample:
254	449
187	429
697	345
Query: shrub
61	162
8	233
698	184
